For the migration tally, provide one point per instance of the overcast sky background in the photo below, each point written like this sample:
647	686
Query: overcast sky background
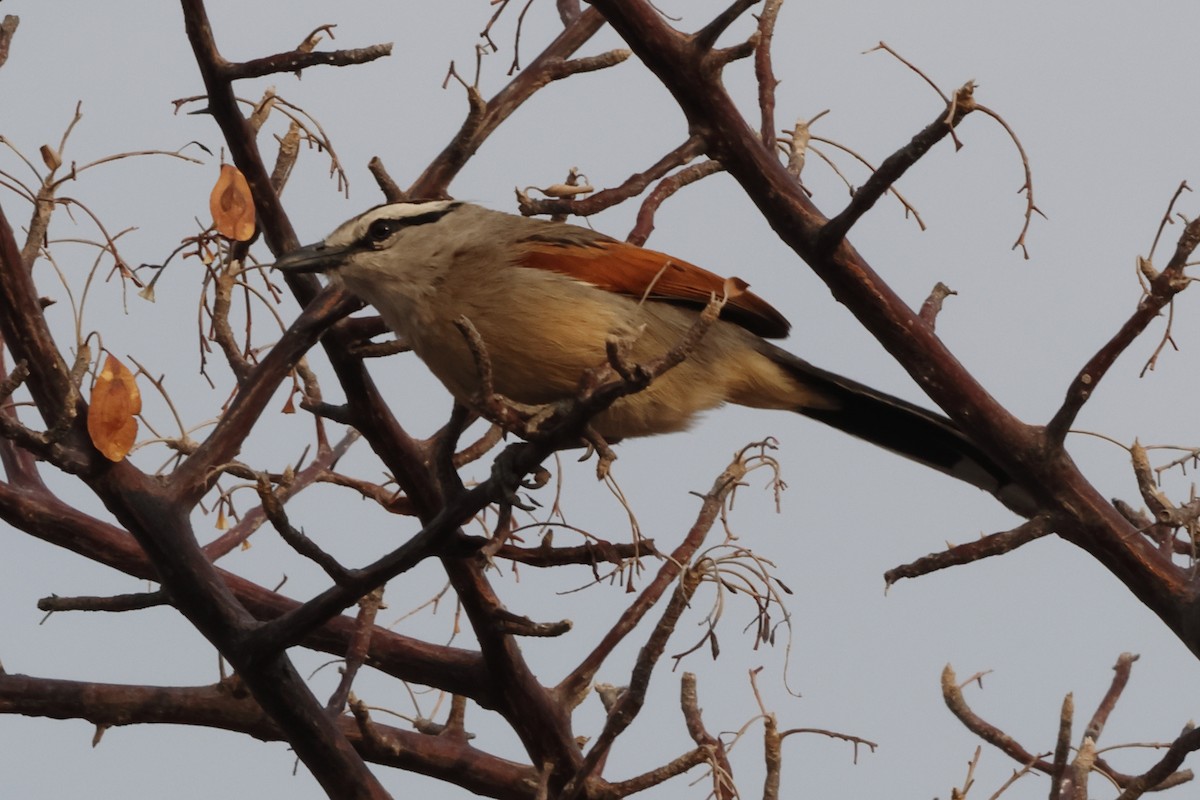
1099	94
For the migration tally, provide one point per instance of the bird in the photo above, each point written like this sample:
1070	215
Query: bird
546	297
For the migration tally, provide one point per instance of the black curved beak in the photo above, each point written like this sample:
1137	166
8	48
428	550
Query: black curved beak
318	257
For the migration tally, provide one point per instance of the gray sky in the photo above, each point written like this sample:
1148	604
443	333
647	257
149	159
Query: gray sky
1096	92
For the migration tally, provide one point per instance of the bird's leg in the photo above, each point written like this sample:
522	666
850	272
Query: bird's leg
509	477
604	454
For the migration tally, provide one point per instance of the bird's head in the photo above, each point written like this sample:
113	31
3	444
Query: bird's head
385	240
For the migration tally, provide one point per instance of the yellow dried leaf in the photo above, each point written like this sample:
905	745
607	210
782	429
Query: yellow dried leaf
232	205
567	190
111	416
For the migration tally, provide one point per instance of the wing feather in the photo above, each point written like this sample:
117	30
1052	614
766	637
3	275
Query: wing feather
640	273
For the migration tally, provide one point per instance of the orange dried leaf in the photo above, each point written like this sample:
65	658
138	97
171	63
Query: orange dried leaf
111	416
232	205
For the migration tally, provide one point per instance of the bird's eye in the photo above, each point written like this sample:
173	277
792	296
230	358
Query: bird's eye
381	230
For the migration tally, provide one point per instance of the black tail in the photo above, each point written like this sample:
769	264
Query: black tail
904	428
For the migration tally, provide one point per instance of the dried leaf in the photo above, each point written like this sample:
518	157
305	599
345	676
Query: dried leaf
566	190
111	416
50	157
232	205
734	288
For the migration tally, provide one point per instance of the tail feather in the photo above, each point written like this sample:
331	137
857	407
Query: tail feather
905	429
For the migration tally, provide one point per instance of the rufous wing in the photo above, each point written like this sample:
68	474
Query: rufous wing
640	273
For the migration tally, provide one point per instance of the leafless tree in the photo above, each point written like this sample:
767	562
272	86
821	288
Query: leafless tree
86	404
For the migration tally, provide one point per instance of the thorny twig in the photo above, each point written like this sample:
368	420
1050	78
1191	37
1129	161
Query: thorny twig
1163	287
991	545
1164	774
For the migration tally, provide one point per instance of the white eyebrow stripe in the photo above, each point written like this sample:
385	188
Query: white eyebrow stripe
353	229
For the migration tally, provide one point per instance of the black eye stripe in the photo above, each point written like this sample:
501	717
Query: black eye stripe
422	219
384	227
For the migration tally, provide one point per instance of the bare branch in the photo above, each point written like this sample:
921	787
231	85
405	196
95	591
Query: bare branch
764	73
588	554
1120	678
391	191
994	544
952	694
895	165
1166	772
632	699
1062	747
632	186
1163	288
296	60
227	706
722	772
574	685
273	508
486	116
568	10
706	37
356	655
116	603
666	188
933	304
